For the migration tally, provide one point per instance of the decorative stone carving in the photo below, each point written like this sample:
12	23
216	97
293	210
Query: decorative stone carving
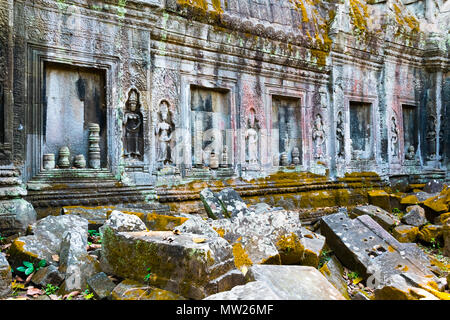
213	160
224	161
318	137
284	161
431	138
64	155
164	130
198	141
295	156
133	139
252	136
79	161
411	154
394	137
94	148
340	142
49	161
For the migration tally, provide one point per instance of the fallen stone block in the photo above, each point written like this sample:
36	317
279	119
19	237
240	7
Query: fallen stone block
46	239
48	275
260	208
433	186
254	290
133	290
15	217
405	233
364	246
96	216
294	282
430	233
212	204
122	222
101	286
380	198
196	225
5	276
184	264
78	273
313	244
384	218
415	216
438	204
446	237
232	202
333	271
400	287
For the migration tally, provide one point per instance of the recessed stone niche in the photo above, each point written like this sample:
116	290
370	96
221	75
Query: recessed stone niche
74	97
410	129
360	130
286	130
210	125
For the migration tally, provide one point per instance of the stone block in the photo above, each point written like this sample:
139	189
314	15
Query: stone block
185	264
415	216
101	285
294	282
405	233
254	290
430	233
15	217
381	216
48	275
380	198
212	204
134	290
121	222
5	276
334	272
313	244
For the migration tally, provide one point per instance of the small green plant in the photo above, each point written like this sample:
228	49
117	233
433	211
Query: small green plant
396	211
28	267
94	237
353	275
325	256
50	289
2	238
148	275
435	244
87	294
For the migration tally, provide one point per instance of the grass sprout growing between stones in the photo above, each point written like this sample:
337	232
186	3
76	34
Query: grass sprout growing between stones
50	289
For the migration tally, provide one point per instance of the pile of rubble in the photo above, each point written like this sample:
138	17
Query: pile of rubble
237	252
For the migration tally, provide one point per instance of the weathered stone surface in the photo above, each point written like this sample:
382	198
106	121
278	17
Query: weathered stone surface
15	216
78	273
433	186
409	200
47	237
430	233
380	198
122	222
399	287
133	290
405	233
313	244
384	218
446	236
333	271
154	221
260	207
364	246
294	282
48	275
101	285
254	290
73	248
184	264
96	216
439	204
232	202
273	237
415	216
212	204
5	276
196	225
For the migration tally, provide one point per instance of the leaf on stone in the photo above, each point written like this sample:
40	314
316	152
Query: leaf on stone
198	240
16	285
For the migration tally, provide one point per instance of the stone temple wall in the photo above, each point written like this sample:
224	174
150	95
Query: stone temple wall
271	97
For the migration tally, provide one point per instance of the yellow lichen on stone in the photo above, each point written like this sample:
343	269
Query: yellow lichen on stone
290	248
241	257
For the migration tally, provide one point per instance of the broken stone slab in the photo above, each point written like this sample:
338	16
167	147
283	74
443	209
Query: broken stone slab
78	273
364	246
232	202
196	225
101	286
415	216
5	276
96	216
72	249
294	282
313	244
430	233
446	237
254	290
402	287
48	275
46	239
438	204
185	264
334	272
134	290
380	198
122	222
271	238
384	218
405	233
433	186
260	208
15	217
212	204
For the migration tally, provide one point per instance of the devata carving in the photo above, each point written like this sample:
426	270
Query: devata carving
431	138
411	154
318	136
340	147
164	131
394	137
252	138
133	139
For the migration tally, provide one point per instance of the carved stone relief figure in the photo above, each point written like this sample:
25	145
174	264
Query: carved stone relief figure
133	139
431	138
251	135
164	131
340	143
411	154
394	137
318	136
